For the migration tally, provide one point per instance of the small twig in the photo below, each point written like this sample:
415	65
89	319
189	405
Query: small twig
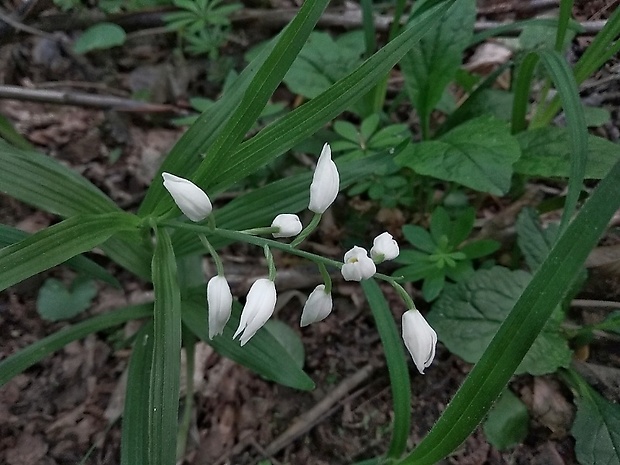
594	303
518	7
84	99
309	419
22	27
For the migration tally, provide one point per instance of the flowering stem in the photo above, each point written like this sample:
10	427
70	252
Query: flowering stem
314	222
216	258
403	294
270	264
326	278
260	231
261	242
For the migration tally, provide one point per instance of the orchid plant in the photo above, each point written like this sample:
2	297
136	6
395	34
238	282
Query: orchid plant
160	247
194	203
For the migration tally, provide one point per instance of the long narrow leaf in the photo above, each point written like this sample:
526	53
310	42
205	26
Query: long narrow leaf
9	235
259	90
310	117
57	244
549	285
564	81
36	351
41	181
136	411
166	360
397	366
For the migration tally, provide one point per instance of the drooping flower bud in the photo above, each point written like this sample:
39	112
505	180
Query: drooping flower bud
384	247
219	299
190	198
289	225
259	306
357	265
420	339
325	182
317	307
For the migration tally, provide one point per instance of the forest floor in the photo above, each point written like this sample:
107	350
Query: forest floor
70	403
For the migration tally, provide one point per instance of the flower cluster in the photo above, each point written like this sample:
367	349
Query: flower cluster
419	338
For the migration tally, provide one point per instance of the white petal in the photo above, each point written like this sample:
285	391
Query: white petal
259	306
190	198
384	248
317	307
357	265
419	338
325	182
219	299
289	225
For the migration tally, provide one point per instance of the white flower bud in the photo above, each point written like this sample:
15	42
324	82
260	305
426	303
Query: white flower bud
259	306
190	198
420	339
289	225
317	307
357	265
220	300
384	247
325	182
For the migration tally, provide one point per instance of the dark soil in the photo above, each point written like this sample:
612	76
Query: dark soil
67	406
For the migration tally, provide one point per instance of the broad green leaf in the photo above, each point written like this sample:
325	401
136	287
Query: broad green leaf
546	152
396	363
596	116
100	36
35	352
136	410
322	61
10	235
534	241
432	63
467	316
262	354
419	238
507	423
56	302
550	284
478	154
481	248
493	102
56	244
596	428
166	361
288	339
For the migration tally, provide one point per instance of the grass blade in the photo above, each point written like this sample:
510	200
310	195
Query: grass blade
549	285
166	360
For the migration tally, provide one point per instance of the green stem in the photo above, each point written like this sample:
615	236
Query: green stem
216	257
326	278
270	264
261	242
260	231
403	295
307	230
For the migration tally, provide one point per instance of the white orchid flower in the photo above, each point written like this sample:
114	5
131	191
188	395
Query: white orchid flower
190	198
420	339
357	265
219	299
259	306
317	307
325	182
